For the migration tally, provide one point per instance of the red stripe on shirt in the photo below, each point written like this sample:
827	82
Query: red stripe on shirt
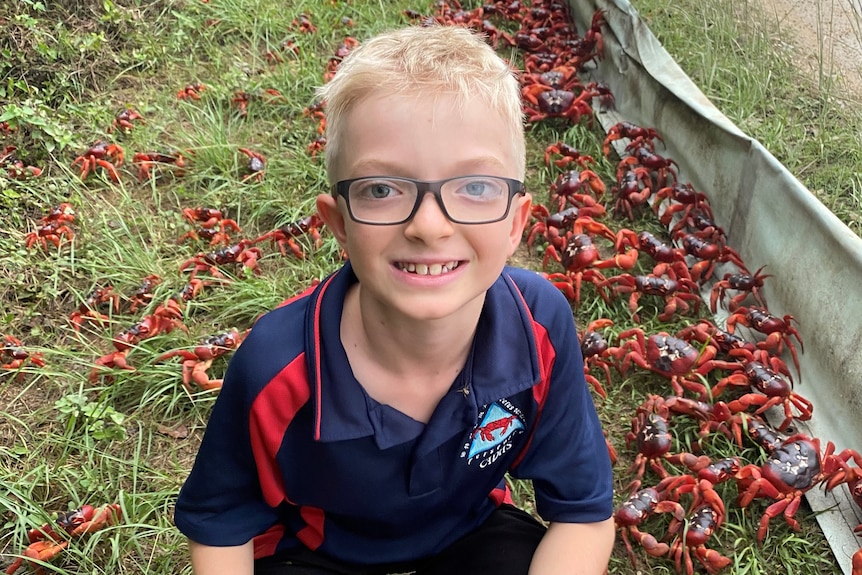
318	387
266	543
312	534
547	355
271	413
500	495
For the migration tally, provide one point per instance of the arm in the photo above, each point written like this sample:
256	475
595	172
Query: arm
574	549
207	560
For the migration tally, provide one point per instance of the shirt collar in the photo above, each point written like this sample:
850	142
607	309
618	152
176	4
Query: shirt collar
503	361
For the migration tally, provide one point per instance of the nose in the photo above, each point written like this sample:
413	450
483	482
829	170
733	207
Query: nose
429	223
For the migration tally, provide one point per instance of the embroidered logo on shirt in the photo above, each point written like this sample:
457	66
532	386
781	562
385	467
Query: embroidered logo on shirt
493	436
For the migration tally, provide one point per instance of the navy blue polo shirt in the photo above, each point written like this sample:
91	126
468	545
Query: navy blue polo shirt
296	453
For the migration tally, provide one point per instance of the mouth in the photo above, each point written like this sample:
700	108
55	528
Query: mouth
435	269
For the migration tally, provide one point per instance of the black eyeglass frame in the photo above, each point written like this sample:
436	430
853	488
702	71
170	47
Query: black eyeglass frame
516	187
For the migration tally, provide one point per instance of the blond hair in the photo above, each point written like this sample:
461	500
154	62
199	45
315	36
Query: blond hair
420	60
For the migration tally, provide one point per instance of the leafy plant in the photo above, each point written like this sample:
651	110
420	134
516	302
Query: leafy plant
39	122
100	421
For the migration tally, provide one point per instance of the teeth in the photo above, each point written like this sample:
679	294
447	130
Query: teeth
427	270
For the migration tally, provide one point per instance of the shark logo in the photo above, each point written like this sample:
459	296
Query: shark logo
496	427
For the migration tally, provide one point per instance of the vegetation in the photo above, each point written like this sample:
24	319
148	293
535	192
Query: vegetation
738	58
70	435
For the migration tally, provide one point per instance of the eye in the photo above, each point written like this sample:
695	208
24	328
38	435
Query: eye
476	188
376	190
379	191
484	189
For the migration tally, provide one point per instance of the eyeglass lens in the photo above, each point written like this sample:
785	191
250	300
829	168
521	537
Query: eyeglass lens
468	199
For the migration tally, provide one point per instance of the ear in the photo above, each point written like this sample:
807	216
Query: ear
520	217
330	212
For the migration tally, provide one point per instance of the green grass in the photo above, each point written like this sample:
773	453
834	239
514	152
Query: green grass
130	436
742	61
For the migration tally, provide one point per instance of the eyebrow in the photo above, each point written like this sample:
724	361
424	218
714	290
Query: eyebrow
381	167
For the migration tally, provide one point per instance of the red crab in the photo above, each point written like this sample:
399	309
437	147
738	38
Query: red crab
700	224
777	330
794	467
602	92
676	292
191	91
708	255
699	527
285	236
569	154
197	361
559	78
591	45
671	357
747	284
15	167
174	306
633	190
632	132
241	99
53	232
729	344
53	227
303	24
650	432
665	168
669	260
274	57
543	102
316	146
241	253
315	111
213	225
683	198
580	256
256	165
340	53
554	228
123	120
163	320
46	543
101	155
143	294
13	352
642	505
146	161
568	185
594	349
772	390
93	303
658	250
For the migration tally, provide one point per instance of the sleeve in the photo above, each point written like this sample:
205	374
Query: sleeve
221	503
567	459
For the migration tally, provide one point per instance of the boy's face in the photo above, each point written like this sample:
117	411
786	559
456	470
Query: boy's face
425	139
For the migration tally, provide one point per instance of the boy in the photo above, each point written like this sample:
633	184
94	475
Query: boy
366	425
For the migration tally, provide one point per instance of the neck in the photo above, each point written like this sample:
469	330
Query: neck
404	346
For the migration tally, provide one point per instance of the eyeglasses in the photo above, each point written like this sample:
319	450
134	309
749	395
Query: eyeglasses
383	200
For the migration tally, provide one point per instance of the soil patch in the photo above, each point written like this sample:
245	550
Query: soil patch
825	36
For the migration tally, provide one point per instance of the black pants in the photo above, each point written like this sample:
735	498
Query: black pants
503	545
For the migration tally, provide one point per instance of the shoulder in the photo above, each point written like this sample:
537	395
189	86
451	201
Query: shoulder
544	302
277	340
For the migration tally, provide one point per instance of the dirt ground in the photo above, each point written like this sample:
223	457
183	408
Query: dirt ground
822	31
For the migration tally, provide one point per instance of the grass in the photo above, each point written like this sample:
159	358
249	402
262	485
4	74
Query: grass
743	61
130	436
